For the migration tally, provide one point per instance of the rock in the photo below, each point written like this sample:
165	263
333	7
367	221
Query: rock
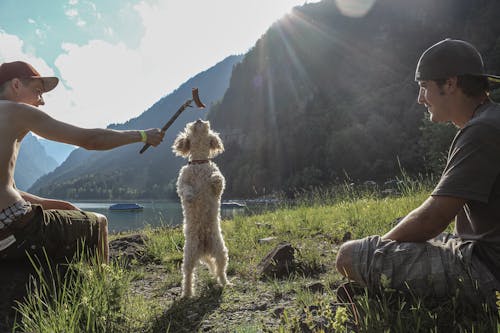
129	247
278	263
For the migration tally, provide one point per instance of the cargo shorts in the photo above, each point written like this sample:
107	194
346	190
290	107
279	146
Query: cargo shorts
60	233
444	266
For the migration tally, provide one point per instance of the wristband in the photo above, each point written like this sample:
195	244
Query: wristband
144	136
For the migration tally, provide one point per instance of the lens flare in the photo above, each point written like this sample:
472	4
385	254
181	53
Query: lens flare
354	8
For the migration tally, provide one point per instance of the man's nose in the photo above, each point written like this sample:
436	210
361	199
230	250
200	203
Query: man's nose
420	98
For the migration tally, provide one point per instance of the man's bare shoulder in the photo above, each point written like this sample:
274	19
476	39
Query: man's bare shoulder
22	118
20	114
15	108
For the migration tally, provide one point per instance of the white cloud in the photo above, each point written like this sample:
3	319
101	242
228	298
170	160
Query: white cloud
106	81
12	49
40	33
109	31
93	6
81	23
71	13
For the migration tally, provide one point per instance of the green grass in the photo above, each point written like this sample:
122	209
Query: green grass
91	297
82	296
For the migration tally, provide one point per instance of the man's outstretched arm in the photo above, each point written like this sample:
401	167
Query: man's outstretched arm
426	221
35	120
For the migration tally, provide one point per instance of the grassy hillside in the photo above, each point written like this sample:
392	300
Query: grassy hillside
145	295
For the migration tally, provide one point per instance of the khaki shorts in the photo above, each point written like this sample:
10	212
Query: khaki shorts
440	267
60	232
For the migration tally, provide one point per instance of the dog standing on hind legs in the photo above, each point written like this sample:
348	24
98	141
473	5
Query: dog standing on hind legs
200	185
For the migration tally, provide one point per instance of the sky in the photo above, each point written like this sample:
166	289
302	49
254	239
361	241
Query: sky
116	58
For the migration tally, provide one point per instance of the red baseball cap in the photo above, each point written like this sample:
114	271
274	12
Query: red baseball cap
23	70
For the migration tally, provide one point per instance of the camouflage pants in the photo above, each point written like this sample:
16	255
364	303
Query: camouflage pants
440	267
59	232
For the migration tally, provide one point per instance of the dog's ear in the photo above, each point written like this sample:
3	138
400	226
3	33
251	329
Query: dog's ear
216	146
181	145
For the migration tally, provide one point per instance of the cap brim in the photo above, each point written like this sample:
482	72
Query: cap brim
49	83
493	78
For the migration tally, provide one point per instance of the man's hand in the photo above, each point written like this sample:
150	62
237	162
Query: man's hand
154	136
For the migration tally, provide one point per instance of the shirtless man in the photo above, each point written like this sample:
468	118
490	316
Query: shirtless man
29	223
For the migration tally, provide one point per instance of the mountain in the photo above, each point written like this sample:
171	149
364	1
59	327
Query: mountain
323	98
57	150
32	162
124	173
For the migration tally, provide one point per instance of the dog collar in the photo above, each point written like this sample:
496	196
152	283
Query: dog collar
198	161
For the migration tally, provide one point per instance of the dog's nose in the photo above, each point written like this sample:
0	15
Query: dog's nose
199	121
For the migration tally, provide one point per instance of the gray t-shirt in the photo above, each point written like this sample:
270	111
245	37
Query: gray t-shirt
472	172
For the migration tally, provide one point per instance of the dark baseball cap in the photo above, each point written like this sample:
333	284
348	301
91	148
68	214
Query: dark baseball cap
451	57
23	70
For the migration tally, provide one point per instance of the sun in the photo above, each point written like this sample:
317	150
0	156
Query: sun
354	8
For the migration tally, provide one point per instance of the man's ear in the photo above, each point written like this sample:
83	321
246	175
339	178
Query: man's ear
15	84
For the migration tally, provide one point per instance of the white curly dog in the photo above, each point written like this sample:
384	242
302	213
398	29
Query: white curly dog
200	185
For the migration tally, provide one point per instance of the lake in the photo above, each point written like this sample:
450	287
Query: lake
155	213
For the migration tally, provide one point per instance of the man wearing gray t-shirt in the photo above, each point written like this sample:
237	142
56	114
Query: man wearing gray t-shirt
416	254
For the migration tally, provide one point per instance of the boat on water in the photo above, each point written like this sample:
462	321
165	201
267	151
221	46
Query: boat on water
232	204
126	207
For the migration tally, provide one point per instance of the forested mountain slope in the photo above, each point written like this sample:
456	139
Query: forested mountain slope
323	97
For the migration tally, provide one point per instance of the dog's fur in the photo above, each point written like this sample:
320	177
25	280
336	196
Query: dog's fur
200	186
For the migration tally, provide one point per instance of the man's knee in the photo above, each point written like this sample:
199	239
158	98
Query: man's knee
344	260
